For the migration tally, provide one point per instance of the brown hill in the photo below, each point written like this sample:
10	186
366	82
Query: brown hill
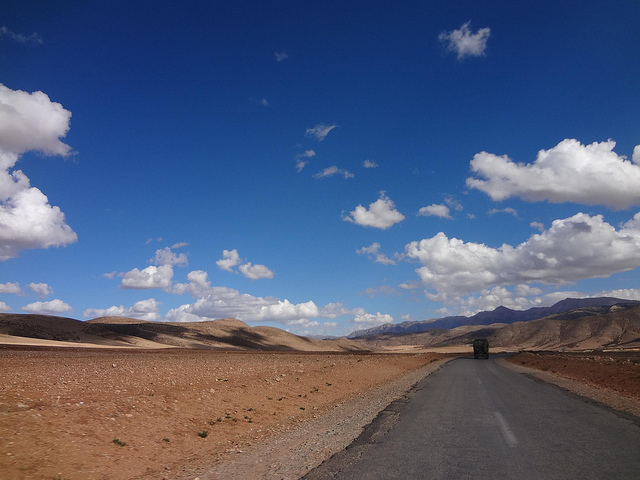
225	334
620	328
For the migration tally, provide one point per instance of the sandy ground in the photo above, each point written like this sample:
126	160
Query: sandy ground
69	413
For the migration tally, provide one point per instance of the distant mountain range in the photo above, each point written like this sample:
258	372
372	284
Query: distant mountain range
499	315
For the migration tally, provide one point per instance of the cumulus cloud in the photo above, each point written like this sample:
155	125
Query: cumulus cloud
575	248
368	320
381	214
537	225
569	172
150	277
41	289
11	287
142	310
373	253
166	256
33	39
636	155
254	272
230	259
319	132
222	302
370	164
4	307
52	307
435	210
330	171
29	121
465	43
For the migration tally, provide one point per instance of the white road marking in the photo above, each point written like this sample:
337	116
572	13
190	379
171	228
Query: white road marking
506	431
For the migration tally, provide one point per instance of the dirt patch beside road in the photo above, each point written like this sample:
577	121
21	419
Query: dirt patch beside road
612	378
114	414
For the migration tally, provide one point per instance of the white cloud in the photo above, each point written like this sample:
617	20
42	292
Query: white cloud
381	291
142	310
165	256
509	210
230	259
10	287
435	210
368	320
150	277
4	307
453	203
373	253
255	272
33	39
300	163
537	225
281	56
52	307
41	289
319	132
575	248
381	214
465	43
636	155
569	172
330	171
29	121
110	275
264	102
370	164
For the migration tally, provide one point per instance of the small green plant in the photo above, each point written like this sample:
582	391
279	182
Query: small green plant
219	419
203	434
165	439
235	419
119	442
302	408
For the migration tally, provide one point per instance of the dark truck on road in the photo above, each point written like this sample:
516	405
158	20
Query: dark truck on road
481	348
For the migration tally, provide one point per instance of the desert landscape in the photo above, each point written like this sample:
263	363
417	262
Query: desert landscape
116	398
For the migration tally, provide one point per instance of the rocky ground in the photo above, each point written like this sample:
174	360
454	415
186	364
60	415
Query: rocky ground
113	414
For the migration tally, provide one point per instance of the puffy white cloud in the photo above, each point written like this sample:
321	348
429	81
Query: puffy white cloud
381	214
333	170
11	287
33	39
230	259
373	253
369	164
150	277
319	132
41	289
578	247
166	256
636	155
368	320
255	272
537	225
435	210
4	307
465	43
569	172
52	307
29	121
142	310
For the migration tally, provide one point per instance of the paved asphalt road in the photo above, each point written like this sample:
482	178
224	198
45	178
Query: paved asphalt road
475	419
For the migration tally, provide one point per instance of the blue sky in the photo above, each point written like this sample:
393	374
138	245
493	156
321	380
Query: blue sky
319	167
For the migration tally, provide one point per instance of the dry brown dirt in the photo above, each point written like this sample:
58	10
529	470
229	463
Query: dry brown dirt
72	413
618	372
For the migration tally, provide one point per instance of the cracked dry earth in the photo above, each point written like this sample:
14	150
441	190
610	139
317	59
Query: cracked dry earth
175	414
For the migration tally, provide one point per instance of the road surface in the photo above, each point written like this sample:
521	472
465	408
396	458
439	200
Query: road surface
476	419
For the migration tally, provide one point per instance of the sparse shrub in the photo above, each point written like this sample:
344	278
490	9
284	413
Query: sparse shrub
165	439
119	442
203	434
